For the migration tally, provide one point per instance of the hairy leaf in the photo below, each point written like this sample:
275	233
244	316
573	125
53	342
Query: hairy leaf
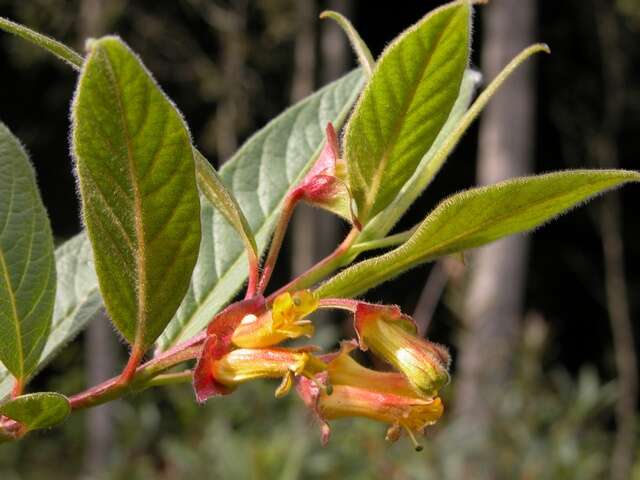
407	101
381	224
359	47
478	216
58	49
27	269
77	301
216	193
258	176
37	410
139	196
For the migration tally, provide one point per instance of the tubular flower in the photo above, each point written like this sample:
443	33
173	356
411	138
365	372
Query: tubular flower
392	336
325	185
284	321
360	392
218	344
344	370
246	364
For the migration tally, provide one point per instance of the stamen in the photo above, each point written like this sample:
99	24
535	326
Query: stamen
416	446
285	385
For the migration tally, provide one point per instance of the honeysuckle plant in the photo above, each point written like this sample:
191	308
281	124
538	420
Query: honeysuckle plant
168	242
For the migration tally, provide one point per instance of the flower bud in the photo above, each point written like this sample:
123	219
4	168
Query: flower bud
325	184
392	336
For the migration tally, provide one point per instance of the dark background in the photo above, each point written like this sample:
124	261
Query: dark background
185	49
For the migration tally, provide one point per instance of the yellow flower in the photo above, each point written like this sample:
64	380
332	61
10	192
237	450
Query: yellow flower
357	391
284	321
392	336
245	364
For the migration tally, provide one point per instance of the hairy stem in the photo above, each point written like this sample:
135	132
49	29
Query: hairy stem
142	377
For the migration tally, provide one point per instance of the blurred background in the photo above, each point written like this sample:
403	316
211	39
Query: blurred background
542	328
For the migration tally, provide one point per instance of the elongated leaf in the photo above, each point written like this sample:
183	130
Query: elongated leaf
413	88
37	410
381	224
258	176
77	301
479	216
139	196
217	194
27	270
359	47
58	49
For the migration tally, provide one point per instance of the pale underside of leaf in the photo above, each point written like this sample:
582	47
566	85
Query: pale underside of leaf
476	217
258	176
27	270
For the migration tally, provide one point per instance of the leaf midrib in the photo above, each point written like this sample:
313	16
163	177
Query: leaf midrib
14	310
377	177
139	229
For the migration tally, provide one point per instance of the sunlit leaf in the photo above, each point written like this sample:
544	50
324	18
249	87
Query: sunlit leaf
478	216
407	101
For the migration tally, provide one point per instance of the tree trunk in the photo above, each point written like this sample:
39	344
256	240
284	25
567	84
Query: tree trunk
604	152
494	303
100	346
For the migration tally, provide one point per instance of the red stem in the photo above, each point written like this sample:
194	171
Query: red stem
254	266
319	270
339	303
115	388
17	389
278	237
132	365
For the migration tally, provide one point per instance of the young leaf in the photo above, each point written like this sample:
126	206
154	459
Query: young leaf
37	410
58	49
381	224
213	189
27	270
478	216
77	301
359	47
407	101
137	182
258	176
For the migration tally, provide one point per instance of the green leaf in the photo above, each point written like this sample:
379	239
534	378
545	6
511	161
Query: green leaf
77	301
381	224
258	176
139	196
413	88
27	270
58	49
37	410
479	216
359	47
211	186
